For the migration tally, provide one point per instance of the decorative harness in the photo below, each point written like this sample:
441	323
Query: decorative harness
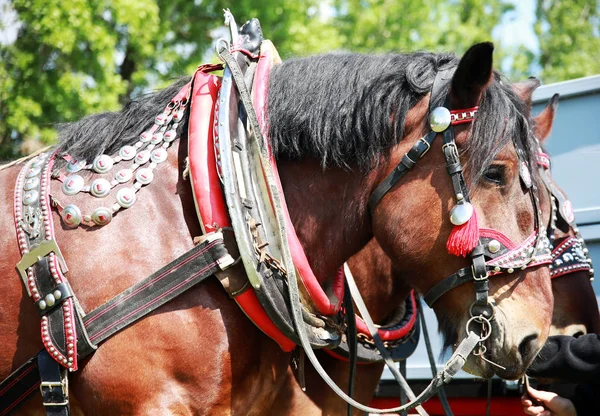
69	333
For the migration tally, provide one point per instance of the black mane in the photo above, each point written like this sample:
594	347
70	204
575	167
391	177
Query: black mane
345	110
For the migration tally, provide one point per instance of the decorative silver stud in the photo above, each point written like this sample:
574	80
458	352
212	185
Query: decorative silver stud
159	155
494	246
31	183
145	137
126	197
50	300
72	215
42	304
497	269
160	119
30	197
461	213
33	171
127	152
72	184
142	157
440	119
144	176
103	163
101	216
124	175
510	270
170	136
100	188
459	196
57	294
157	138
75	166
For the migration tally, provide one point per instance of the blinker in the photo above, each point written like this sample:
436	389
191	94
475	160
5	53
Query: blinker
439	119
461	213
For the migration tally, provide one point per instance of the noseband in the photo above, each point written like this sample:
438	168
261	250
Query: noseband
494	253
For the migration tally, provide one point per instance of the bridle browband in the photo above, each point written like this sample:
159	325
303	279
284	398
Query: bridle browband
536	249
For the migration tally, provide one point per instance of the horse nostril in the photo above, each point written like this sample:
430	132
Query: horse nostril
528	346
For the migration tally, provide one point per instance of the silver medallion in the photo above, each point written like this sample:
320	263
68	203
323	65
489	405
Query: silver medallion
127	152
145	137
170	136
157	137
33	171
494	246
160	119
126	197
142	157
103	163
72	216
101	216
37	162
159	155
144	176
461	213
124	175
72	184
440	119
100	188
29	197
75	165
31	183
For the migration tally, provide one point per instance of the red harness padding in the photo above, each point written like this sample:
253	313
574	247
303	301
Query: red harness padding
323	302
206	187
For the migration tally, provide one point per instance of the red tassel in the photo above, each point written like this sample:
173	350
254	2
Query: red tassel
464	238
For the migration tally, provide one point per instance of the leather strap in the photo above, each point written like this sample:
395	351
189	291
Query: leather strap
54	386
419	149
441	393
352	340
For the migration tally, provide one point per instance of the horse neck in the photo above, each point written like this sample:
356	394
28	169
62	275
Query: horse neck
328	210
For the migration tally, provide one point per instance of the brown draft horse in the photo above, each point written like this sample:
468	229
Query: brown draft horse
575	306
199	354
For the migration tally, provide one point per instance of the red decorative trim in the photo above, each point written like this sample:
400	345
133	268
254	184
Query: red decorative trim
543	160
500	236
318	296
208	196
396	334
463	115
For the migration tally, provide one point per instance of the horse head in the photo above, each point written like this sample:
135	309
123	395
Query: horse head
411	223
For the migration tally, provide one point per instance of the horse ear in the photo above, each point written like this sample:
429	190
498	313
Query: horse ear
544	120
474	73
525	89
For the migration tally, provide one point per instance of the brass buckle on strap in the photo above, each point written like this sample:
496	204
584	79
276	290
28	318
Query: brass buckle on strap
64	383
36	253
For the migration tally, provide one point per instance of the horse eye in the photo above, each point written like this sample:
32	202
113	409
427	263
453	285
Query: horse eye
495	174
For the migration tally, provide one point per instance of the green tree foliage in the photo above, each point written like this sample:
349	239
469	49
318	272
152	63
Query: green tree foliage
81	57
569	36
435	25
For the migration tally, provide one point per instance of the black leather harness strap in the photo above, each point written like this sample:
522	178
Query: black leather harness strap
126	308
54	386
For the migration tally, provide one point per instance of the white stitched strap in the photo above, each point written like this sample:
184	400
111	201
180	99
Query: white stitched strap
366	316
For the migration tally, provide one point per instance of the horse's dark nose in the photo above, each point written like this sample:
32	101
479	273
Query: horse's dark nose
528	348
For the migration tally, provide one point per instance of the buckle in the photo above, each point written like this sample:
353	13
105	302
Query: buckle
452	146
479	278
426	143
64	383
36	253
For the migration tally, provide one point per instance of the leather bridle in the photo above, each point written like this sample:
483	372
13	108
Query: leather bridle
534	252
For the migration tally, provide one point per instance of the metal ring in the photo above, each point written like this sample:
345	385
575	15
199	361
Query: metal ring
220	45
480	319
